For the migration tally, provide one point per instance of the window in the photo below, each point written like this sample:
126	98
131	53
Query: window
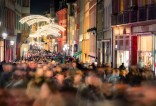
144	43
126	4
115	6
121	5
26	3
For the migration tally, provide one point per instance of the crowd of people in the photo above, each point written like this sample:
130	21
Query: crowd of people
38	82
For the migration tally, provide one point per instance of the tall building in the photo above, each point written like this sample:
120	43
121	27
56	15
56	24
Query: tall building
71	32
10	13
85	27
133	23
100	33
52	8
61	15
79	12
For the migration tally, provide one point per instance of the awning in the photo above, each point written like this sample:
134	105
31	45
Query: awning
77	54
92	55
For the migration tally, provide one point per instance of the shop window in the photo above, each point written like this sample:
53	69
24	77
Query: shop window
145	50
122	50
121	5
122	57
145	43
1	50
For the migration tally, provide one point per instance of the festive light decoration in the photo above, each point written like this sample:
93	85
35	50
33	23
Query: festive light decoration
47	32
50	29
53	26
30	20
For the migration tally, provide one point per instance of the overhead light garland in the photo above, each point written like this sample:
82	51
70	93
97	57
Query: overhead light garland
50	29
53	26
30	20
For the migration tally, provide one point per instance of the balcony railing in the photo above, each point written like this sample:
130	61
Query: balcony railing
136	15
142	14
120	19
114	19
152	12
126	17
133	16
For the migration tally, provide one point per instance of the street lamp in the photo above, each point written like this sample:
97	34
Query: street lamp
4	36
11	48
66	48
12	43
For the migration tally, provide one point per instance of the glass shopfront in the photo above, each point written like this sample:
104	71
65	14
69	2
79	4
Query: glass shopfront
145	50
122	47
1	50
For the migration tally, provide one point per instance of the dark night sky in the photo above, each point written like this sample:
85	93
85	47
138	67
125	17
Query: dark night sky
40	6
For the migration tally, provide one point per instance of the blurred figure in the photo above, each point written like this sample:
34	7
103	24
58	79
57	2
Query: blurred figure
140	63
6	75
60	81
18	80
34	85
123	74
114	78
122	67
77	79
48	75
49	95
32	66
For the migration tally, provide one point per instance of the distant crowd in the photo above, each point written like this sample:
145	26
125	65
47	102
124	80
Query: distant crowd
47	82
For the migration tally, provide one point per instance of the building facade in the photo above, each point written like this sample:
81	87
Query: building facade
133	23
85	29
79	16
71	38
10	13
100	25
22	9
62	20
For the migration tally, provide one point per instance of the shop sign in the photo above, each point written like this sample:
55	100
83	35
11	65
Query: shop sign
140	29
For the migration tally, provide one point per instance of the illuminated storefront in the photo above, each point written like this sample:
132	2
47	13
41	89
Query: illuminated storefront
121	46
145	49
144	38
134	44
1	50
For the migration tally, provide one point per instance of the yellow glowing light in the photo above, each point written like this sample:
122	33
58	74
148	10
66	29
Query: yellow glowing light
53	26
48	32
35	19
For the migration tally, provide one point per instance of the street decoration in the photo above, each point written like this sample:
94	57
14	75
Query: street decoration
50	28
32	19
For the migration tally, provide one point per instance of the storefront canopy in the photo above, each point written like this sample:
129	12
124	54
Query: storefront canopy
77	54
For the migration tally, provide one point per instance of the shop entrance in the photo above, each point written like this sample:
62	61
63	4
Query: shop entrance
123	57
106	51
